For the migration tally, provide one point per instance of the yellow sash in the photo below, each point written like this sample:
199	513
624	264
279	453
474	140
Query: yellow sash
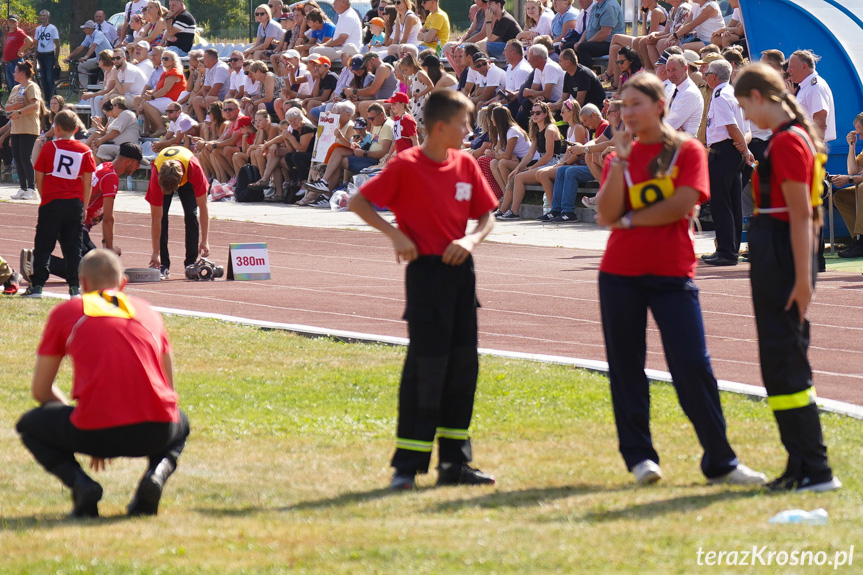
179	153
108	303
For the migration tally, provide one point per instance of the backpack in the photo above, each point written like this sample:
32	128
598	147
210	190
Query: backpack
248	174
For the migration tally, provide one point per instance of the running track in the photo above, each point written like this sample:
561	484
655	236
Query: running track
534	299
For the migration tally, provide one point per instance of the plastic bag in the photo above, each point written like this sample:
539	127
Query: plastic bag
339	201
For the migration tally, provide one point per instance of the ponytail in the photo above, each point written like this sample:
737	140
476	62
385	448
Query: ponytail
803	119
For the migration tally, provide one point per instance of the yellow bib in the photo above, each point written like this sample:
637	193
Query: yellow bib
651	191
108	303
179	153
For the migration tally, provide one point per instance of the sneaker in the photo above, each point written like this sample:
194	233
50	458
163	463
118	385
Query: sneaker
497	213
322	202
86	494
792	482
269	193
164	272
740	475
590	202
149	492
402	481
509	216
19	195
547	217
33	291
30	194
462	474
26	264
647	472
319	185
806	485
74	291
565	218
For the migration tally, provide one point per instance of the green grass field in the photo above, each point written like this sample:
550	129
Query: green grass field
288	458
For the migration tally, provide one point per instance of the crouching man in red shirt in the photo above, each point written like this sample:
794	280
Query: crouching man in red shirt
126	403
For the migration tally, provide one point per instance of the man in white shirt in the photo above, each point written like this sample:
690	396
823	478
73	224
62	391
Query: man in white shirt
238	76
489	79
131	80
548	76
180	125
141	57
94	43
725	139
349	30
517	69
686	103
216	83
814	95
47	40
105	27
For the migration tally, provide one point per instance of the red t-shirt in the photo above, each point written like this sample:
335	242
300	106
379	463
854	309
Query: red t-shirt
118	377
14	41
791	159
105	185
196	177
403	128
64	162
658	250
178	86
432	202
600	129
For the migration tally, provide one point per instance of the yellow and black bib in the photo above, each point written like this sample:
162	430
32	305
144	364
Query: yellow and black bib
179	153
649	192
766	202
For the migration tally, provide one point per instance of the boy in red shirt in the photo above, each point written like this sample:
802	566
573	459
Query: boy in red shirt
434	190
64	172
126	403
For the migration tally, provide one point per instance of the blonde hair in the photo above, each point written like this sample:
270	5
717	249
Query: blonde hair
170	176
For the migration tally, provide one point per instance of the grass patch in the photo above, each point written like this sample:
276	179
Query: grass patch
289	454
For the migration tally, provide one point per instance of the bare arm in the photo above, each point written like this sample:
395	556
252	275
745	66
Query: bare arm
155	233
108	222
406	250
168	368
204	210
43	388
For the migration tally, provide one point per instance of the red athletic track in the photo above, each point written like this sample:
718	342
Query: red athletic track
534	299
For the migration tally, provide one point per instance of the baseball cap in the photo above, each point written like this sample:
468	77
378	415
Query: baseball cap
691	56
708	58
349	49
88	24
142	44
131	151
291	54
319	60
378	22
360	123
357	62
480	57
14	17
398	97
244	121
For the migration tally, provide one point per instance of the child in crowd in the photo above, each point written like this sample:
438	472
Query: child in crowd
376	27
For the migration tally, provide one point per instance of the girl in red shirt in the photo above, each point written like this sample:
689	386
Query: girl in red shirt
650	187
781	244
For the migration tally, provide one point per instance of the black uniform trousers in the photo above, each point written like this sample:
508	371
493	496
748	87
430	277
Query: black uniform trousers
57	266
186	193
58	220
53	440
725	164
783	344
438	382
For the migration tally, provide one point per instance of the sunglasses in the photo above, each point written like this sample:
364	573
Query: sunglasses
246	72
398	2
619	62
175	111
235	59
117	58
536	112
372	118
229	109
260	13
166	59
482	64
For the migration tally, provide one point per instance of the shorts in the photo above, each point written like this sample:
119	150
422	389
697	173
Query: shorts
357	163
160	104
691	38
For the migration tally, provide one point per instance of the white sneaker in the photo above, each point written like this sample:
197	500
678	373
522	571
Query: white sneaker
821	487
30	194
19	194
740	475
647	472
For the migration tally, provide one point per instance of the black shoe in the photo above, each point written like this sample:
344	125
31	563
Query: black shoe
86	494
462	474
717	260
793	482
855	251
565	218
547	217
402	481
149	493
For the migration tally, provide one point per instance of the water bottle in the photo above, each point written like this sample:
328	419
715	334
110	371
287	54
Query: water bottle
439	49
814	517
140	125
130	185
546	207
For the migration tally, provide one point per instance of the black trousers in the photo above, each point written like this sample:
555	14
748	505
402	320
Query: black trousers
186	193
757	147
58	220
783	345
725	163
47	61
22	149
439	377
587	50
53	440
299	164
57	266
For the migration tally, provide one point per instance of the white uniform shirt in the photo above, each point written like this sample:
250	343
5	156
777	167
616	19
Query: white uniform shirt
45	36
516	76
685	109
552	74
814	96
724	111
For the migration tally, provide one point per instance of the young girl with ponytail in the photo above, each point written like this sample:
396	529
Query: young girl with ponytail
782	251
650	187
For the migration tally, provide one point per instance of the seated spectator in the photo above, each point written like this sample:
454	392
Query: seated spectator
537	21
342	148
605	21
475	33
548	78
122	127
170	86
154	27
647	46
286	21
596	149
435	31
324	82
441	79
509	145
94	44
155	76
267	89
350	62
705	18
734	32
140	52
348	30
268	36
106	65
489	78
629	64
254	154
299	30
55	104
734	56
480	139
563	22
545	141
211	152
181	128
136	25
300	142
517	72
420	86
580	82
848	192
180	34
378	38
130	80
216	83
322	30
405	29
382	87
214	124
560	182
500	28
194	81
653	19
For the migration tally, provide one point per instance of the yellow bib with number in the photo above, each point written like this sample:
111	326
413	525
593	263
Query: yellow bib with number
649	192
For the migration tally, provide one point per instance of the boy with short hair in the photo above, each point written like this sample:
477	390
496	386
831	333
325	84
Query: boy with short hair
64	173
433	190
